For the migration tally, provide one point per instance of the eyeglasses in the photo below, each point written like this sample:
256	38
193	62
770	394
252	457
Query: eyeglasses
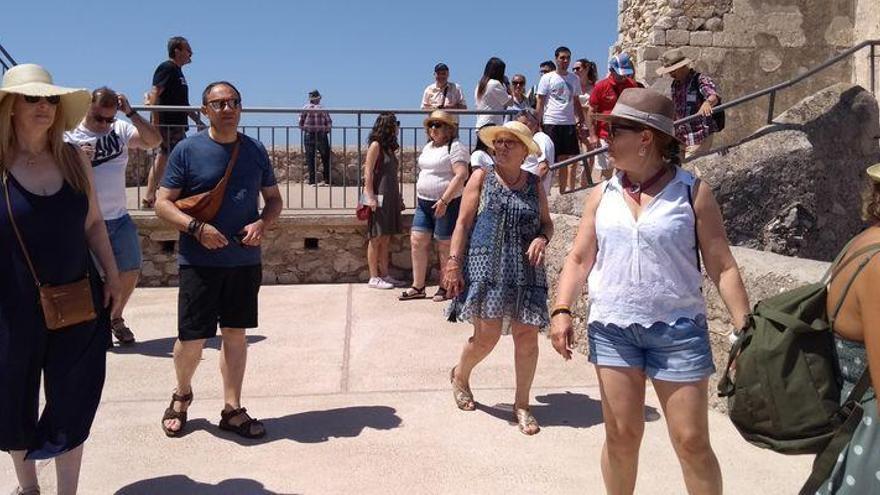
105	120
518	83
52	100
232	104
435	125
614	129
506	143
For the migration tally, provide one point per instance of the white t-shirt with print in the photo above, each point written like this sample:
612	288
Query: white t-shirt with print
435	169
495	97
548	154
108	165
560	92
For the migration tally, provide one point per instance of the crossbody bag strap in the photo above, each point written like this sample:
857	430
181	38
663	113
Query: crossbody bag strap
24	250
692	191
233	158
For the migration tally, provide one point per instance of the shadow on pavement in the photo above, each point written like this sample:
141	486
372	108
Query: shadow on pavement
312	426
562	409
165	346
179	484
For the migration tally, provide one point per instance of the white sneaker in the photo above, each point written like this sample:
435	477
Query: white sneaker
393	281
378	283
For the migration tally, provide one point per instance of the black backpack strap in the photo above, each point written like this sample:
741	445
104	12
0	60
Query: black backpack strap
850	415
696	235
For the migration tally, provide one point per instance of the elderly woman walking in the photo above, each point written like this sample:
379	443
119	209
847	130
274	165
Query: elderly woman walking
638	245
443	169
49	223
496	265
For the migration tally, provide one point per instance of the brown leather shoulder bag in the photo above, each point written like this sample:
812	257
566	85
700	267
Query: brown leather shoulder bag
204	206
63	305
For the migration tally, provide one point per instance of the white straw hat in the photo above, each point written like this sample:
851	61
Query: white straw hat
518	129
33	80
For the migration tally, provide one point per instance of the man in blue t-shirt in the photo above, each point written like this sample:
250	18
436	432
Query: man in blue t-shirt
220	271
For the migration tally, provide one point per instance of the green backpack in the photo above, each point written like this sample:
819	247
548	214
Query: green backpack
785	395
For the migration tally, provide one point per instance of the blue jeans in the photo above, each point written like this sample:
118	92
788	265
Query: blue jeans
125	243
676	353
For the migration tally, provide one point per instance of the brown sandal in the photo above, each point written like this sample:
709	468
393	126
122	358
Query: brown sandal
120	330
412	293
464	399
170	413
527	423
242	429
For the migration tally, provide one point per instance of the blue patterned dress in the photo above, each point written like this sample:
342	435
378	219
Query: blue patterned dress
499	281
858	466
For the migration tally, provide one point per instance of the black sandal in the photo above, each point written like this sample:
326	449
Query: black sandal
244	428
120	330
440	295
170	413
412	293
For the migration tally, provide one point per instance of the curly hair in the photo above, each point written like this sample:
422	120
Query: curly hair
385	131
871	202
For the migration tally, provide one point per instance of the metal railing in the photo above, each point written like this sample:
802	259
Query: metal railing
6	60
771	91
347	141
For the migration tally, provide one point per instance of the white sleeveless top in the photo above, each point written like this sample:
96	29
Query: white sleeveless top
646	270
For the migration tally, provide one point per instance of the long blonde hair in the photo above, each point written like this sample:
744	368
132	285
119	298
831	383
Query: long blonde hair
65	156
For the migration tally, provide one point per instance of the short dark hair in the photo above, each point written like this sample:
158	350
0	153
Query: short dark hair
441	67
105	97
175	43
548	63
561	49
211	86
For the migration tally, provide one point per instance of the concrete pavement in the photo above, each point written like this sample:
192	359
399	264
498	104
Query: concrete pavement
353	388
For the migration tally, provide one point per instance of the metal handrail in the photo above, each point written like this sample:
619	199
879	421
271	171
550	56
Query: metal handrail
344	111
6	59
758	94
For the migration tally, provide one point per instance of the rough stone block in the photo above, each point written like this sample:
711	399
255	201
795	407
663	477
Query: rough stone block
657	37
702	38
683	22
714	24
677	37
665	22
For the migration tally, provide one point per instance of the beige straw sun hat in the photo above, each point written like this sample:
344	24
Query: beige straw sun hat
518	129
33	80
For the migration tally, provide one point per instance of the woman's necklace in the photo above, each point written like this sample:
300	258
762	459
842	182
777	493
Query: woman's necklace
31	159
506	181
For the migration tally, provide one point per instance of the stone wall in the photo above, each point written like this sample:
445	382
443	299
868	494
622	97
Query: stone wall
298	249
745	45
867	27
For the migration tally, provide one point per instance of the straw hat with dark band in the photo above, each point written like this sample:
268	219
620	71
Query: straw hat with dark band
672	60
443	117
33	80
517	129
645	107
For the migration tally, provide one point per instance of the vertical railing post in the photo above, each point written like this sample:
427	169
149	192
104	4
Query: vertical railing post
873	64
360	157
771	107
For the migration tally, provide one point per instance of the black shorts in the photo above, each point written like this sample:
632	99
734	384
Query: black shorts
216	295
564	138
171	135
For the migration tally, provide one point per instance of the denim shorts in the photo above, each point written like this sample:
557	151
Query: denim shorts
125	243
424	221
675	353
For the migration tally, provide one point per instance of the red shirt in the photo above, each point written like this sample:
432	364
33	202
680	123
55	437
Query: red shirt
604	96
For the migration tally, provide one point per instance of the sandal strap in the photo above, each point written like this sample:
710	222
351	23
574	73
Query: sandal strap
227	415
182	398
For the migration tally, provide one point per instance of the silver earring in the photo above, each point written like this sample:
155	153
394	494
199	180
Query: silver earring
642	151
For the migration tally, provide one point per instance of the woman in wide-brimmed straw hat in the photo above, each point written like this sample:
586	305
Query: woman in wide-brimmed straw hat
443	169
858	346
47	195
641	238
496	265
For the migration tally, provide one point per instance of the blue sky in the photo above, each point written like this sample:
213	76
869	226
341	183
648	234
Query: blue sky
376	54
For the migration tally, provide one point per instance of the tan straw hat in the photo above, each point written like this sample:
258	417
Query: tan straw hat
671	60
33	80
518	129
874	172
444	117
645	107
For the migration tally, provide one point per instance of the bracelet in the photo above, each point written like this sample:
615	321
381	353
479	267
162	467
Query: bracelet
443	201
454	257
131	114
193	226
561	309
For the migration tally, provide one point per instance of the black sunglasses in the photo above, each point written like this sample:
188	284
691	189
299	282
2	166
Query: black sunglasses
53	100
435	125
106	120
519	83
614	129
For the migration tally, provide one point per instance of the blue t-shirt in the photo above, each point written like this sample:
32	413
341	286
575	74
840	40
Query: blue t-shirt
195	166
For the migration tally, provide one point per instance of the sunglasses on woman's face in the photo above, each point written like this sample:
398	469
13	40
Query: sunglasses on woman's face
52	100
435	125
614	129
519	83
